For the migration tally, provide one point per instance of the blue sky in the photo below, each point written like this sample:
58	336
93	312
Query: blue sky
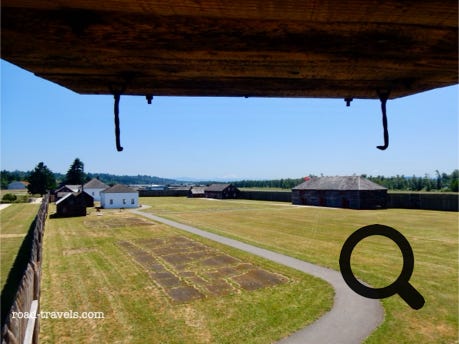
203	137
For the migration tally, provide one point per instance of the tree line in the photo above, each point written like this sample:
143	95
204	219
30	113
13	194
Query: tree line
41	179
439	182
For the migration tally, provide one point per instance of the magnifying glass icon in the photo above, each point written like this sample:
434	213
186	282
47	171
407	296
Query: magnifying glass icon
400	286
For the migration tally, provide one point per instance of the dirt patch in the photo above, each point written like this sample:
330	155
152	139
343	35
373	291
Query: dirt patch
220	261
258	278
187	270
116	221
140	256
184	294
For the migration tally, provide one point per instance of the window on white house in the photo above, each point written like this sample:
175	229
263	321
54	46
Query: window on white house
132	201
111	201
124	201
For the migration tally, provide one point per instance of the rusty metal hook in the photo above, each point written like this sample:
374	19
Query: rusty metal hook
383	96
117	121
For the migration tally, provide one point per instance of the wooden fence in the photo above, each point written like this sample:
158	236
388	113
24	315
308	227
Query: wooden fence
163	193
423	200
415	200
21	329
407	200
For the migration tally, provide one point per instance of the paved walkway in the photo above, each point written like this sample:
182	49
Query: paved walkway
350	321
4	205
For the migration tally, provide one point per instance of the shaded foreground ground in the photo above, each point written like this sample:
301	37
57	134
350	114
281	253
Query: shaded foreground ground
15	221
157	284
317	234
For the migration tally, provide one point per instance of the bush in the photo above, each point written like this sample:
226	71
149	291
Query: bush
9	198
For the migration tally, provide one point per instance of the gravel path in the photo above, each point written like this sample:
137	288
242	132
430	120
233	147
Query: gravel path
350	321
5	205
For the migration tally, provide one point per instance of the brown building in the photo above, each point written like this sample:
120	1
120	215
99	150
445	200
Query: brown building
341	192
73	204
64	190
221	191
196	192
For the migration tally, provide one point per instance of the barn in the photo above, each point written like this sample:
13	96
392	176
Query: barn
119	196
72	204
196	192
64	190
221	191
94	187
341	192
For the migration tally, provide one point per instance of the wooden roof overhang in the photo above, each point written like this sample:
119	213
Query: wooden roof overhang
268	48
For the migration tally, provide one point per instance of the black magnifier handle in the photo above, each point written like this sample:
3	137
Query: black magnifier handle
411	296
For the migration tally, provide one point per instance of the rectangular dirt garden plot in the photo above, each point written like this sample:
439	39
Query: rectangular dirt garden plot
187	270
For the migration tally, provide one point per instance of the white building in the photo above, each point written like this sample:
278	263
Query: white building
119	196
94	187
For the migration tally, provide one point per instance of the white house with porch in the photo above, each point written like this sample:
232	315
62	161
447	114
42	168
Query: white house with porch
94	187
119	196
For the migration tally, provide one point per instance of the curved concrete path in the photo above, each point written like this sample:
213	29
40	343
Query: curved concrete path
4	205
350	321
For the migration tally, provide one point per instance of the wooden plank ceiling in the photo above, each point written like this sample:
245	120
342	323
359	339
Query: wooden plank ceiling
278	48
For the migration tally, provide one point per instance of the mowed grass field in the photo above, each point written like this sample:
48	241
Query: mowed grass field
105	263
317	234
15	221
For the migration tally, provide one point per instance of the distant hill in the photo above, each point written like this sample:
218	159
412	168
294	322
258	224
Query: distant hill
125	179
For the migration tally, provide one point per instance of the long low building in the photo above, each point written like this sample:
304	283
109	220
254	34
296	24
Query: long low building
221	191
341	192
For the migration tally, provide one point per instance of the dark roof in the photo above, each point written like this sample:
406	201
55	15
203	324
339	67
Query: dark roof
119	188
75	195
64	198
339	183
216	187
71	188
197	190
95	184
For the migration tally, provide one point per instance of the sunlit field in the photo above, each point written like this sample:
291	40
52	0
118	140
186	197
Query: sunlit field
156	284
317	234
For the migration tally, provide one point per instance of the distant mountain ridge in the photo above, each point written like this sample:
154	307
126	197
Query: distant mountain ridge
108	178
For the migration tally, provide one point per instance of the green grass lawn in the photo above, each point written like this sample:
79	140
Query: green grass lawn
317	234
15	221
85	269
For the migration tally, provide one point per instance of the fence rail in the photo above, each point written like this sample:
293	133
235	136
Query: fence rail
14	327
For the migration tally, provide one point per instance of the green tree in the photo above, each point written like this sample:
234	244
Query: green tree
4	179
454	184
41	180
438	183
75	175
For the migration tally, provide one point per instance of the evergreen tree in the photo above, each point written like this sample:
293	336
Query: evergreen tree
41	180
75	175
454	184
